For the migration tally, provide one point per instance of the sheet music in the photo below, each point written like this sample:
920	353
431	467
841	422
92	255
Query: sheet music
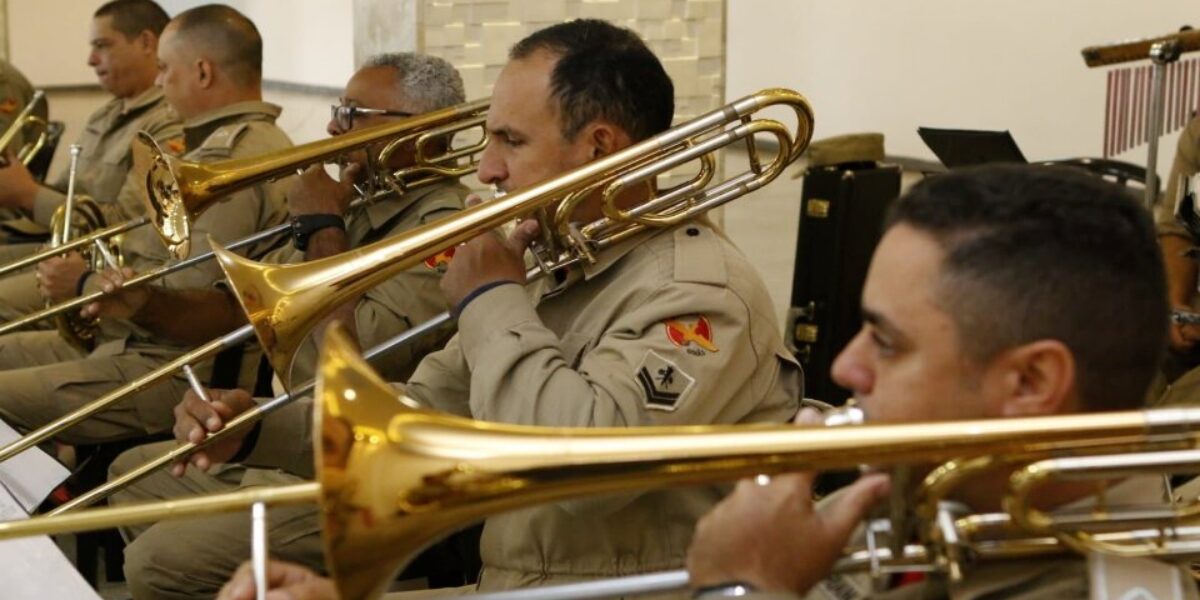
31	475
34	567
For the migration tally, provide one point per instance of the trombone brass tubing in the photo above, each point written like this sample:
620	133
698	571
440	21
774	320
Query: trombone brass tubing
285	302
237	424
1098	468
444	471
1121	52
140	279
135	514
19	123
57	426
74	244
178	189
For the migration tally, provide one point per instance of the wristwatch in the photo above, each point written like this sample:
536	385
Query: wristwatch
303	226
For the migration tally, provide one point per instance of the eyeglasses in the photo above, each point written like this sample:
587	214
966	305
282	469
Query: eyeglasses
343	115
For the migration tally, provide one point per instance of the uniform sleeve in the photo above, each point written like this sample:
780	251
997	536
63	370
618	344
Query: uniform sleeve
1186	164
675	357
442	381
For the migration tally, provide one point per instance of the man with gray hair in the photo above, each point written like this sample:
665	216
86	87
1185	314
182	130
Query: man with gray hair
192	558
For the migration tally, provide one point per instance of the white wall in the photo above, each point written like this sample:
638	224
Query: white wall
308	42
892	66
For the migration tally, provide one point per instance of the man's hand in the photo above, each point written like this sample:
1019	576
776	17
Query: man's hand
17	187
1183	337
285	581
314	192
58	276
119	302
195	419
774	538
488	258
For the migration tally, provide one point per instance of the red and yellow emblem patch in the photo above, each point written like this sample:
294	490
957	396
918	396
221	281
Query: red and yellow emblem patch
176	146
439	261
685	334
9	106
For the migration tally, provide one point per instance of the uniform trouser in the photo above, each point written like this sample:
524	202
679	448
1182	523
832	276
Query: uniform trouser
193	558
42	378
19	296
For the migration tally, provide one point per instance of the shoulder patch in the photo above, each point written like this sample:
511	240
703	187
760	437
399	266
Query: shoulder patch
663	383
9	106
692	334
698	256
224	138
175	145
441	261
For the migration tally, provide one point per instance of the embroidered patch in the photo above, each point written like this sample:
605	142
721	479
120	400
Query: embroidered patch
694	336
176	146
663	382
9	106
438	262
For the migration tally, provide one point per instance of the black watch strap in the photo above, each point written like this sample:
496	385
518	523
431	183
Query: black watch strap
303	226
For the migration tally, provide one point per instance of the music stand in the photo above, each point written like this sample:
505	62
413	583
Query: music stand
967	147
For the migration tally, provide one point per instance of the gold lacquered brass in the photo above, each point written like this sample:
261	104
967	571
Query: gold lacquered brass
392	478
178	190
35	131
284	302
86	218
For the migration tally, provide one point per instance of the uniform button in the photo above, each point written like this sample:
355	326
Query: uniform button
692	231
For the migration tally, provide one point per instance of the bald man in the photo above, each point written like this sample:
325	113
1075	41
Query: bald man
210	71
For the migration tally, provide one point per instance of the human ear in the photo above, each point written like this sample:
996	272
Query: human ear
1037	378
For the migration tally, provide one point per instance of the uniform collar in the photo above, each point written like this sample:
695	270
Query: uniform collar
381	212
147	98
197	129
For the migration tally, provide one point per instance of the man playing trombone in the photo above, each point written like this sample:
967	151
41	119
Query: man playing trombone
672	326
960	324
124	54
210	72
387	88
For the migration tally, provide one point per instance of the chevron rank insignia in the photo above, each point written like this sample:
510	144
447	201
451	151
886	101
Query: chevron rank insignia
663	383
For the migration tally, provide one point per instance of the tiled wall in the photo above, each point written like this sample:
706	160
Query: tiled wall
688	35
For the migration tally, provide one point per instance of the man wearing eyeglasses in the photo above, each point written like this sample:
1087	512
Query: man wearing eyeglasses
188	559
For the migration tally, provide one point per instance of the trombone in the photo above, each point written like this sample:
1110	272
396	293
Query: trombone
284	302
393	475
427	169
174	211
26	120
298	299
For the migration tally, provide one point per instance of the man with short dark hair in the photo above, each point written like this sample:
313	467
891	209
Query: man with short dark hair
124	41
670	327
972	311
43	376
192	558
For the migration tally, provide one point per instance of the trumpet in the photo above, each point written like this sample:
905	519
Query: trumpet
22	125
391	475
284	302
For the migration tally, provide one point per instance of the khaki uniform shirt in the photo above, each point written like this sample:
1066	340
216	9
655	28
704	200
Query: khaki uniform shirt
671	328
105	156
1049	577
241	130
405	300
674	328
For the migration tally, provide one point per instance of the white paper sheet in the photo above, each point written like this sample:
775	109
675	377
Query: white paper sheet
31	475
34	568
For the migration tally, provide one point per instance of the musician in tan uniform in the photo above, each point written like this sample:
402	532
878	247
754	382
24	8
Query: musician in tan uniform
960	325
671	327
388	87
211	75
124	41
15	93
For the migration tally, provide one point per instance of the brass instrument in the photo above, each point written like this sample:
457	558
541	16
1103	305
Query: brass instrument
393	477
426	170
178	190
284	302
33	129
80	216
